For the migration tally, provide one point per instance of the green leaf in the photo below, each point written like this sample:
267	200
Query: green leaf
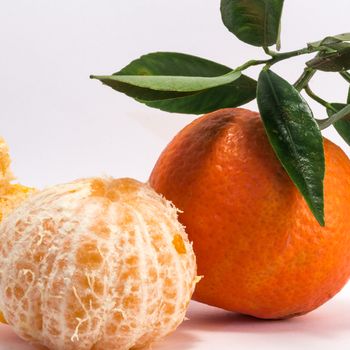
234	94
256	22
342	126
294	136
332	62
334	47
331	40
343	129
174	72
165	63
170	83
342	37
162	64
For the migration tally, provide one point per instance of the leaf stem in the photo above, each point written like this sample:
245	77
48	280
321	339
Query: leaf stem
277	57
250	64
318	99
284	55
269	52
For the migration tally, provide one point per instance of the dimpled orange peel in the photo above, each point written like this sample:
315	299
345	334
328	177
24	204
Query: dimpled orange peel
98	263
260	249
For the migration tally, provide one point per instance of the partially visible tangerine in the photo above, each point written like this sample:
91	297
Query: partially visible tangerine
98	263
257	244
11	195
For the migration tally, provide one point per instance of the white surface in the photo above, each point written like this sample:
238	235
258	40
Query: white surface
61	126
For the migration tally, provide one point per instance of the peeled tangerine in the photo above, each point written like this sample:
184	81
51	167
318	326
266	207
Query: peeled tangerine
11	195
95	264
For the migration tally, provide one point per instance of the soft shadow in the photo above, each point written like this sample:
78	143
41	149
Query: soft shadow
327	321
181	339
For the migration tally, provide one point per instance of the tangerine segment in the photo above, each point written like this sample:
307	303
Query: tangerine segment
92	265
257	243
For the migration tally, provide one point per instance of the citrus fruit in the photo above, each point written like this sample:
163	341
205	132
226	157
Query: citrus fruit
98	263
11	195
257	244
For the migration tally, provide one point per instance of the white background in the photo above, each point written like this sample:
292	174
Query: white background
60	125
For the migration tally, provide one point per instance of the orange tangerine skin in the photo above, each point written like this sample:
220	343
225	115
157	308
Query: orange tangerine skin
95	264
257	244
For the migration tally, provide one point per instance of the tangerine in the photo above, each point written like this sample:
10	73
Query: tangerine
260	249
96	264
11	195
